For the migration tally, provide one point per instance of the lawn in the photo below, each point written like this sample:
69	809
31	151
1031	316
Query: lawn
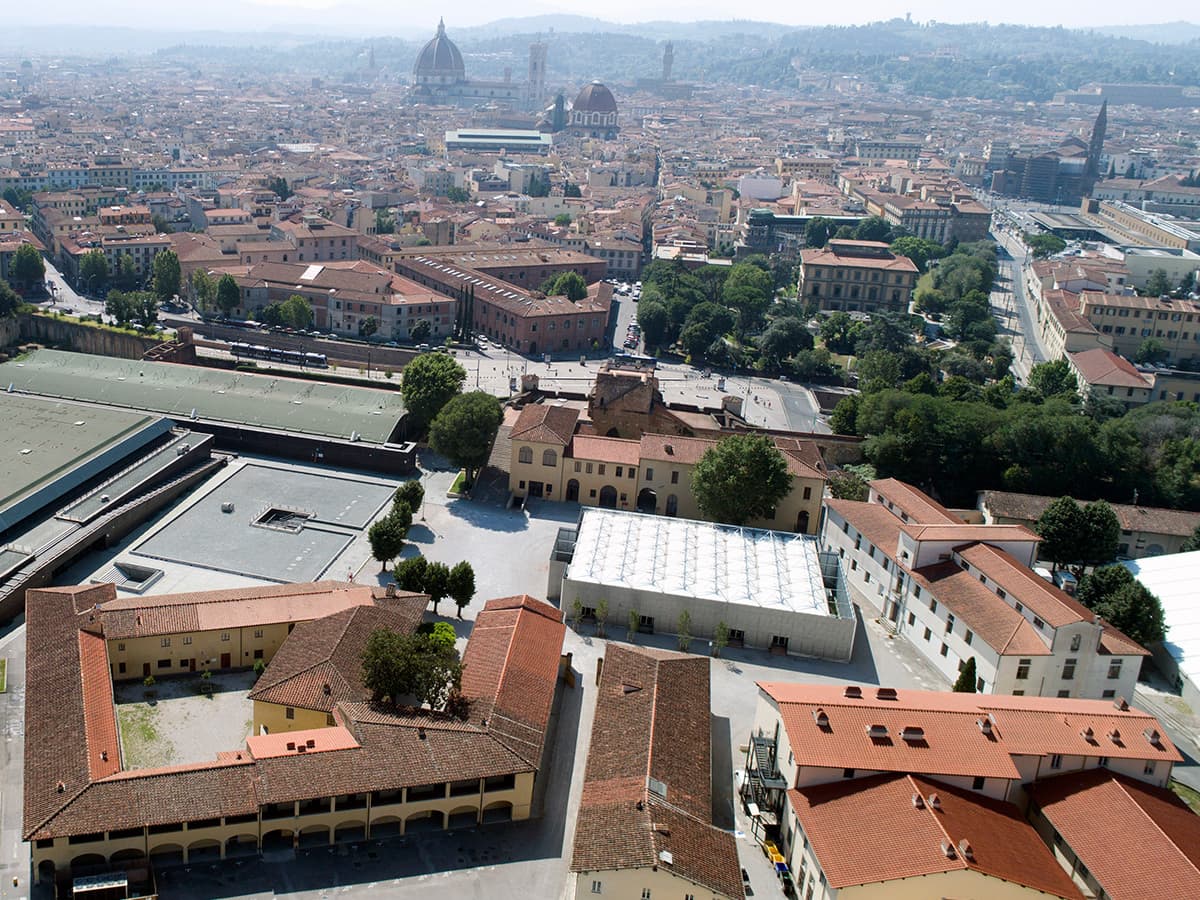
141	745
460	482
1188	795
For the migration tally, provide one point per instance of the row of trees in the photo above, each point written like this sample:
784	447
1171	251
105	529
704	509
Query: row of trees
438	580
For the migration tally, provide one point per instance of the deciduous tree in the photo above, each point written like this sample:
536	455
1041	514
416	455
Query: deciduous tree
464	430
430	381
461	585
27	266
742	478
229	296
1113	593
167	276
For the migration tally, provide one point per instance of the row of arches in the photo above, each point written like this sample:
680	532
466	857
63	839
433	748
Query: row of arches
170	853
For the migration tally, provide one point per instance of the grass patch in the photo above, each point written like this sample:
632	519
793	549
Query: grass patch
3	674
460	483
141	745
1188	795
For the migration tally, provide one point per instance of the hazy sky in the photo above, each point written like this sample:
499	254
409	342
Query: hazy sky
382	16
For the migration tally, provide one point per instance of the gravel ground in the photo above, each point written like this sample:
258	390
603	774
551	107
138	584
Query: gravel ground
181	725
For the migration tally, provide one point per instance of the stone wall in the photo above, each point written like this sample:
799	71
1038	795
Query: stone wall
82	338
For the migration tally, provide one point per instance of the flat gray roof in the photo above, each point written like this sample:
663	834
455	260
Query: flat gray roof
44	440
267	401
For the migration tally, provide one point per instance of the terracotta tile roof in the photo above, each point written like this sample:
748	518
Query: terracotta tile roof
829	257
651	729
510	670
71	789
872	521
993	620
605	449
234	608
672	448
962	533
871	830
1136	839
1148	519
320	663
1101	366
293	743
921	508
953	743
541	423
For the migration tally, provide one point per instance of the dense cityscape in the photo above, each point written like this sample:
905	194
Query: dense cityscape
558	458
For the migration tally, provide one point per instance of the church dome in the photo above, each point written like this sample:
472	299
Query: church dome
595	97
440	58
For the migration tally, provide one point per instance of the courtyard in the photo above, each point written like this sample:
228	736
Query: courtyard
183	719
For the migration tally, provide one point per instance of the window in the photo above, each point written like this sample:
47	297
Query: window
187	639
578	466
932	605
978	783
1069	669
600	469
1108	695
779	642
258	632
588	469
968	637
596	887
289	712
224	635
1063	694
950	620
928	634
525	455
165	642
649	474
121	668
620	471
847	773
121	648
645	893
1038	623
808	493
1056	760
549	458
1075	641
912	619
1148	768
675	476
164	664
1023	668
1114	669
945	650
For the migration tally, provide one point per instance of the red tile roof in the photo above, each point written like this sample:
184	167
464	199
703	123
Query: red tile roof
1101	366
871	830
872	521
1136	839
542	423
605	449
293	743
920	506
647	786
1149	519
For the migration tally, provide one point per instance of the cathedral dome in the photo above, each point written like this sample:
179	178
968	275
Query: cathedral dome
595	97
440	59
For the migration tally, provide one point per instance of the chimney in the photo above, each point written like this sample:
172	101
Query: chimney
390	590
853	691
291	745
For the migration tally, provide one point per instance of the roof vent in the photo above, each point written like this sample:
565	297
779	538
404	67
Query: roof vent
656	787
965	848
421	733
877	731
61	786
1121	703
291	745
912	733
853	691
326	689
301	749
918	801
885	693
310	743
821	718
666	857
948	850
1152	736
985	725
935	802
1115	735
103	756
1088	735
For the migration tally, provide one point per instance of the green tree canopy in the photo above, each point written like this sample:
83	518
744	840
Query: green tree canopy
742	478
1157	284
653	318
204	289
420	331
93	270
167	276
464	430
965	684
783	338
748	291
279	185
562	220
296	312
387	535
27	266
1113	593
1192	543
461	585
9	299
229	296
402	668
410	574
818	231
919	250
1153	351
367	326
840	332
1053	379
1061	526
411	493
566	284
1044	245
436	583
847	485
429	383
126	276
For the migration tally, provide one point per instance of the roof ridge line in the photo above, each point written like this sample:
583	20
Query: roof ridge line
1125	790
958	857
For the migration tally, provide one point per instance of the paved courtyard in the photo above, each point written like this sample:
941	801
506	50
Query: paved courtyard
174	722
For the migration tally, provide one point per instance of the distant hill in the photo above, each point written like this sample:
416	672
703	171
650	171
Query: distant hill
1166	33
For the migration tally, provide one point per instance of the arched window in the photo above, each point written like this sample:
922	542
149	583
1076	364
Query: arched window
549	458
525	455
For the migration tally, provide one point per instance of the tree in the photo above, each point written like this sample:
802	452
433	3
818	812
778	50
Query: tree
601	616
461	585
562	220
385	221
742	478
9	299
919	250
847	485
420	331
386	537
126	277
966	678
441	632
146	309
120	307
653	319
683	631
1044	245
229	295
410	574
840	332
465	429
27	266
1157	284
576	614
1152	351
818	231
1114	594
161	225
1192	543
566	284
783	338
748	291
873	228
844	418
436	583
367	326
397	666
1061	526
458	195
296	312
1053	379
279	185
632	622
571	189
430	381
167	276
720	639
93	270
1100	536
411	493
204	289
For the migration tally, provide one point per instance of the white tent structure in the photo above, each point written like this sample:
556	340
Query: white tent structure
1173	579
